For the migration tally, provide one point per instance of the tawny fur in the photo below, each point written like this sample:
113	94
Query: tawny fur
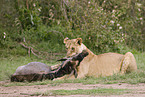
105	64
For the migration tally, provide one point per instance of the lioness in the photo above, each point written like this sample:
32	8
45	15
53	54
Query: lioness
105	64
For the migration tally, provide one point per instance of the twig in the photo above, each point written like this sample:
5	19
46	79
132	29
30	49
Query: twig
36	52
31	50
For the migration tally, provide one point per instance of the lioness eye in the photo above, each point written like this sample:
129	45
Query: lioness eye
72	49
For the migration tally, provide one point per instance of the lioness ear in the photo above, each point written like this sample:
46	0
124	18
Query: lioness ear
79	41
65	40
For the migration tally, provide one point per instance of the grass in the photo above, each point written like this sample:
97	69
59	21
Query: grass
97	91
9	65
132	78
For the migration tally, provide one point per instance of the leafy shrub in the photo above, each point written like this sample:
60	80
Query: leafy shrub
104	25
29	13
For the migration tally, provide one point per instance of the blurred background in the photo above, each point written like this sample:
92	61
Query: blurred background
38	27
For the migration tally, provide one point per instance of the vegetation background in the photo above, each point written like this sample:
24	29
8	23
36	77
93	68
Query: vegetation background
33	30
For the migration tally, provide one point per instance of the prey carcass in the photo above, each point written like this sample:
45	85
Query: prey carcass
68	66
36	71
29	72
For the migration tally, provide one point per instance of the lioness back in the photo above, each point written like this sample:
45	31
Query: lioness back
105	64
100	65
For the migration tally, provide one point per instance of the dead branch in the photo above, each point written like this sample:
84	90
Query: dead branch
38	53
31	50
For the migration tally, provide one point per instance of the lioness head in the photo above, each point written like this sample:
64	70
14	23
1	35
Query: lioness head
74	46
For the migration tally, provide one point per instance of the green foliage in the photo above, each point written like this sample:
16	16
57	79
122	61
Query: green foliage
108	24
29	14
104	25
47	38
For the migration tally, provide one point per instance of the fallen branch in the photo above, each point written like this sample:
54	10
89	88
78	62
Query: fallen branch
31	50
36	52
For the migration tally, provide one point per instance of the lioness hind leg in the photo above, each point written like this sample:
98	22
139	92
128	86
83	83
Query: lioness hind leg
128	63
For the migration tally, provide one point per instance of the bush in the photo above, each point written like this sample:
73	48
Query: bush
104	25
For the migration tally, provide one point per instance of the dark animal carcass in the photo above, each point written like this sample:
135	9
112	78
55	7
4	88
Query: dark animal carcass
68	66
29	72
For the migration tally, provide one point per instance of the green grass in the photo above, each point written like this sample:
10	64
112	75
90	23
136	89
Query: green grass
9	65
97	91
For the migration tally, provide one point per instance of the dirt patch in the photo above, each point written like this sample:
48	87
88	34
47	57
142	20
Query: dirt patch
24	91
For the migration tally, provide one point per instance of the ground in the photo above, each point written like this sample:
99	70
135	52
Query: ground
138	90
